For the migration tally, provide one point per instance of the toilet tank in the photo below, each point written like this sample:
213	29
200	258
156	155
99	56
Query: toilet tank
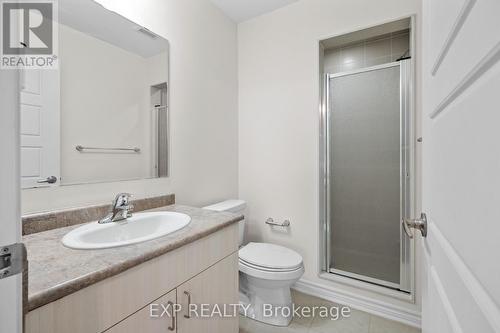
233	206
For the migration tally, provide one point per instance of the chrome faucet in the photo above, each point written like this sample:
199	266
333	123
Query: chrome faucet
120	210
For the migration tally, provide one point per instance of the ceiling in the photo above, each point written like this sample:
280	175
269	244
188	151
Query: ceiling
242	10
94	20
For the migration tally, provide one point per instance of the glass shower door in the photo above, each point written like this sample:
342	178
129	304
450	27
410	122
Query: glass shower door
366	191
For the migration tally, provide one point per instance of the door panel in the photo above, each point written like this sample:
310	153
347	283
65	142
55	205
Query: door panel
39	108
10	220
217	285
444	14
475	38
460	172
142	321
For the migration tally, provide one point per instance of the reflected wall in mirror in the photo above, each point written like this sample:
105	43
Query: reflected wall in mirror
103	115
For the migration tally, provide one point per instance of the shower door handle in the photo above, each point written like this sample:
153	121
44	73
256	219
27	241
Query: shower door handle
419	224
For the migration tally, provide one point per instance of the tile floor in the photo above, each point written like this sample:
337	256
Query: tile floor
358	322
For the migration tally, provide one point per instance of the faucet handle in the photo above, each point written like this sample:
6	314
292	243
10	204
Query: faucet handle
122	199
120	209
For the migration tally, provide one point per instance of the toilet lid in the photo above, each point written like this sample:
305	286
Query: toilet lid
270	256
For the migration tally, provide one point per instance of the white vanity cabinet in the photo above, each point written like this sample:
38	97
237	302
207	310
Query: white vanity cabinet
215	289
205	269
142	321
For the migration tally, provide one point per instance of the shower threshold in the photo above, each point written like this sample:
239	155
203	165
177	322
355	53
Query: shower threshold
364	278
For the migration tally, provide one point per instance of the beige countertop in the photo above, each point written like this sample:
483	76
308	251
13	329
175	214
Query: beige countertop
55	271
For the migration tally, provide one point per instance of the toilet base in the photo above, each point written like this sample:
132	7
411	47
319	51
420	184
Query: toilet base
267	301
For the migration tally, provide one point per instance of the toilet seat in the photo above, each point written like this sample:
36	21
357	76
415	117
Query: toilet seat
270	261
269	274
267	269
270	256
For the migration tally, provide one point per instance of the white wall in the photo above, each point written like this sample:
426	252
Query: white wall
279	119
203	109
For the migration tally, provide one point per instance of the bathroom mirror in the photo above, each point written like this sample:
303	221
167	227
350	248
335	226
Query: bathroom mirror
102	116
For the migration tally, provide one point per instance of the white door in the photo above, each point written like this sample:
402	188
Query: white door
40	151
10	230
461	166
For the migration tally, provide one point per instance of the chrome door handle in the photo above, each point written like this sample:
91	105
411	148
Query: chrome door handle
188	294
172	326
49	180
419	224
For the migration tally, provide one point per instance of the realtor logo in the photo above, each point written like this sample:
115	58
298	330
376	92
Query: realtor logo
29	33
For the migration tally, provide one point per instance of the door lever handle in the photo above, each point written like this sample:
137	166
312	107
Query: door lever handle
419	224
172	316
49	180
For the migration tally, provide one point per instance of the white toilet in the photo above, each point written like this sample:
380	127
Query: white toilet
267	272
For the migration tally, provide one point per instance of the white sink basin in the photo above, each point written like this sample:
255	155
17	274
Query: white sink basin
140	227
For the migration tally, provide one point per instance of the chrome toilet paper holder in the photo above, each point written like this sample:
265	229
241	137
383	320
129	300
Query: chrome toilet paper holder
285	223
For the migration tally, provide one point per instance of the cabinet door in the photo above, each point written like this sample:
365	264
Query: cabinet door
216	287
155	317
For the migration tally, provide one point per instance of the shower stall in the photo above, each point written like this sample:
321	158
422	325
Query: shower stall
367	174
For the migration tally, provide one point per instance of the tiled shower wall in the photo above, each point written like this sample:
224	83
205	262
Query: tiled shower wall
367	53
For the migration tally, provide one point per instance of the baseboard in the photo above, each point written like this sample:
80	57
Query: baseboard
375	307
